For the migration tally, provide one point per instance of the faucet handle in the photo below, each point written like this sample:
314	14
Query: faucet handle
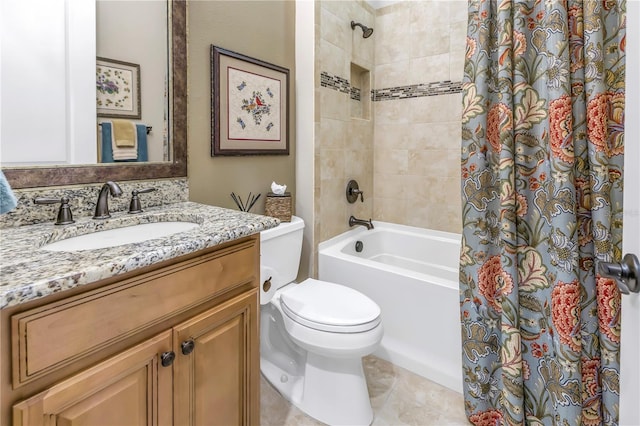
65	217
353	190
134	206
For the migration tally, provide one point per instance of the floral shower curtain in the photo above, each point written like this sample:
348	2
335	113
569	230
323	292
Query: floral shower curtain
542	155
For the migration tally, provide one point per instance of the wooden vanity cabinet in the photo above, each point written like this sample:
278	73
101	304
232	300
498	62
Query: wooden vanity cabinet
174	344
213	371
132	388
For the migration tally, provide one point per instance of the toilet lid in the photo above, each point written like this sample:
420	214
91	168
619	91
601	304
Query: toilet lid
330	307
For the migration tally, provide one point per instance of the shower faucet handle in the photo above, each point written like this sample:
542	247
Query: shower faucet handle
353	190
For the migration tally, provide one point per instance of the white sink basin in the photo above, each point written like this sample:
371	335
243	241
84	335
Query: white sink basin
120	236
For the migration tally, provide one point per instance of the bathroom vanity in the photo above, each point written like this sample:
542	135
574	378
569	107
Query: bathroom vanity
163	332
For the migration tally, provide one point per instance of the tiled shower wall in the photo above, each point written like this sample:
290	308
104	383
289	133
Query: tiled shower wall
343	145
406	154
419	57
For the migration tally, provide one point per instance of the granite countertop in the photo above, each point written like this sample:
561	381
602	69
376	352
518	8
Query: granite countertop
28	272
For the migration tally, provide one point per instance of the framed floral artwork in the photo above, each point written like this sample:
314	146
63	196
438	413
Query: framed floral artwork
117	89
249	105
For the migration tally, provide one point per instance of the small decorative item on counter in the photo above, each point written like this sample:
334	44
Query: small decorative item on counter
278	189
278	206
245	206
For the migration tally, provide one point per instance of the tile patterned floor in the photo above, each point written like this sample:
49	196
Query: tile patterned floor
398	397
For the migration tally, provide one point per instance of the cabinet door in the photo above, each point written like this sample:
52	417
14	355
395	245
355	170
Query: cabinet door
218	365
131	388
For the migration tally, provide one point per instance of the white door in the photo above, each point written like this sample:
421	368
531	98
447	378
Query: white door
630	358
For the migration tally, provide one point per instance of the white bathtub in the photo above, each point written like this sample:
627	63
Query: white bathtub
412	274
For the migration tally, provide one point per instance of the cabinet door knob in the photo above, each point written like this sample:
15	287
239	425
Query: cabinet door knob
166	359
187	347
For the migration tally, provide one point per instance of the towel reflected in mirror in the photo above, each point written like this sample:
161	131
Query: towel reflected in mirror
123	141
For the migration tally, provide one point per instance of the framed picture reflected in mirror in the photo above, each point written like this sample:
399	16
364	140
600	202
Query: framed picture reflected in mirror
117	89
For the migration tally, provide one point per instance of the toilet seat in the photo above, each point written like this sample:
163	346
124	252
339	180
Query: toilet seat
329	307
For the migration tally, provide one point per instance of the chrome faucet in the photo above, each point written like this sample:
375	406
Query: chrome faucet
102	205
353	222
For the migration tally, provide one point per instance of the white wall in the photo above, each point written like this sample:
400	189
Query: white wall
47	59
305	43
47	74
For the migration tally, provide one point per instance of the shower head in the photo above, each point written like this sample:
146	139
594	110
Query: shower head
366	31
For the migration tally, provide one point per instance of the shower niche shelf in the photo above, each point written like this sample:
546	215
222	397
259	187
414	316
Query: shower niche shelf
360	102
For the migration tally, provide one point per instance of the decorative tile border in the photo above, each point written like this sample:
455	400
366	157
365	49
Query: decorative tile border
334	82
418	90
392	93
355	94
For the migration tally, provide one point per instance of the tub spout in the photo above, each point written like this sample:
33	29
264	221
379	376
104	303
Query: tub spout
353	222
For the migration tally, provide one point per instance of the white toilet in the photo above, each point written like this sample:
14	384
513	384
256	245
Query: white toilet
314	334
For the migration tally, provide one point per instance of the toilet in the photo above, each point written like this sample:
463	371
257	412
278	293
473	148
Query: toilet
314	334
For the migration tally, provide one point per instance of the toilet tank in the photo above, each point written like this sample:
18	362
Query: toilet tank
280	250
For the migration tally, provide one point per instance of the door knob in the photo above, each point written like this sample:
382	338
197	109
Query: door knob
166	358
187	347
625	273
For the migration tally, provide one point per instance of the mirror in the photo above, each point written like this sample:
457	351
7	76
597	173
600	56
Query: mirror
39	176
132	71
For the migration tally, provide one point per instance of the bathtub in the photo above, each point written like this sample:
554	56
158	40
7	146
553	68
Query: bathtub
412	274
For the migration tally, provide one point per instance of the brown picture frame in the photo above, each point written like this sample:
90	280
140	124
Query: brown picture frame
118	89
249	105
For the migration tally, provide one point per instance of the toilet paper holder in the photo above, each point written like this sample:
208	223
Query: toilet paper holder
266	285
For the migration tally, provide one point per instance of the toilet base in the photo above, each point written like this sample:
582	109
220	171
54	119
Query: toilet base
333	391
